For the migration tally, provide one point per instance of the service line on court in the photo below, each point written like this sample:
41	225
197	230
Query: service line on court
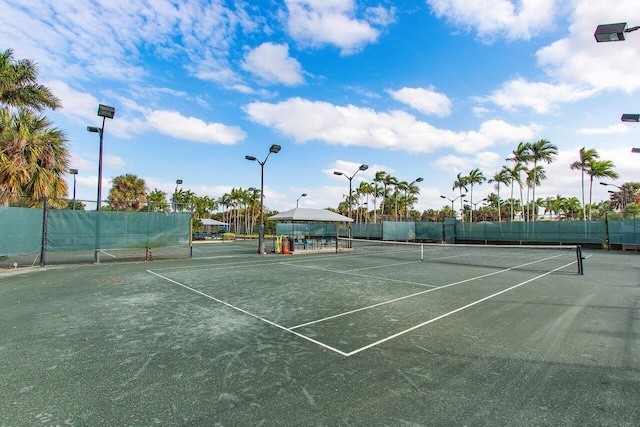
255	316
457	310
349	273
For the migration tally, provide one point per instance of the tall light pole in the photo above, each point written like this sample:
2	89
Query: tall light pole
406	208
621	188
350	178
301	196
175	195
74	172
453	200
106	112
273	149
475	206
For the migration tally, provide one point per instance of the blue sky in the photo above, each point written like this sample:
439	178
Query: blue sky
418	88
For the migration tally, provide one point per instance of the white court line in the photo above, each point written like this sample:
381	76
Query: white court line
453	312
417	293
108	254
255	316
342	353
348	273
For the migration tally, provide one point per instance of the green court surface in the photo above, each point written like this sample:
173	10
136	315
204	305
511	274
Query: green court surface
233	338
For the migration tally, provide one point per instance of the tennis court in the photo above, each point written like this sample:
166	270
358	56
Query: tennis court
370	336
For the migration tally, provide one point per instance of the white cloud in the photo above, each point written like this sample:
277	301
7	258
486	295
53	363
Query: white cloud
272	63
540	97
106	41
320	22
580	60
491	19
426	101
193	129
306	120
617	128
485	160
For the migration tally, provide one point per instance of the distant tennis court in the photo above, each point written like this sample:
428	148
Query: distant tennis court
372	335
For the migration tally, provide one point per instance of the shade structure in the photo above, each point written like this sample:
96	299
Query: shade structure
207	221
306	214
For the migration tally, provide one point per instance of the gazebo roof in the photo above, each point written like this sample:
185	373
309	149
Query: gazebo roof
310	215
208	221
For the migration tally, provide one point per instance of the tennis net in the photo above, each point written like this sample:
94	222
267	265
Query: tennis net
551	258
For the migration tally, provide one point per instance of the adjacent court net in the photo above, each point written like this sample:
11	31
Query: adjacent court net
525	257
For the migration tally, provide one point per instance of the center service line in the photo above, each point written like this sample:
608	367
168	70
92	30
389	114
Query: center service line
255	316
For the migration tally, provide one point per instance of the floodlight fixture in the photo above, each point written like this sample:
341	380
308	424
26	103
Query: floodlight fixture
362	167
106	111
251	158
635	150
612	32
275	148
630	118
453	200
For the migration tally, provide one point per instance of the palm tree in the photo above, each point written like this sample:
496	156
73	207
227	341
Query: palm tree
583	165
412	192
377	192
157	200
33	154
33	157
365	189
513	175
19	86
128	192
386	181
461	184
534	176
600	169
475	177
225	202
502	177
541	151
520	156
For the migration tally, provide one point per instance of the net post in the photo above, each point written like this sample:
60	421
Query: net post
421	251
580	258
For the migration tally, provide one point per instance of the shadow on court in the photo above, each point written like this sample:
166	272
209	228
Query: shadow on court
234	338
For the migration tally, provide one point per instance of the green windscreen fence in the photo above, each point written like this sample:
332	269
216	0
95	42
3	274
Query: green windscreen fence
69	230
399	231
20	231
624	232
535	232
74	235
